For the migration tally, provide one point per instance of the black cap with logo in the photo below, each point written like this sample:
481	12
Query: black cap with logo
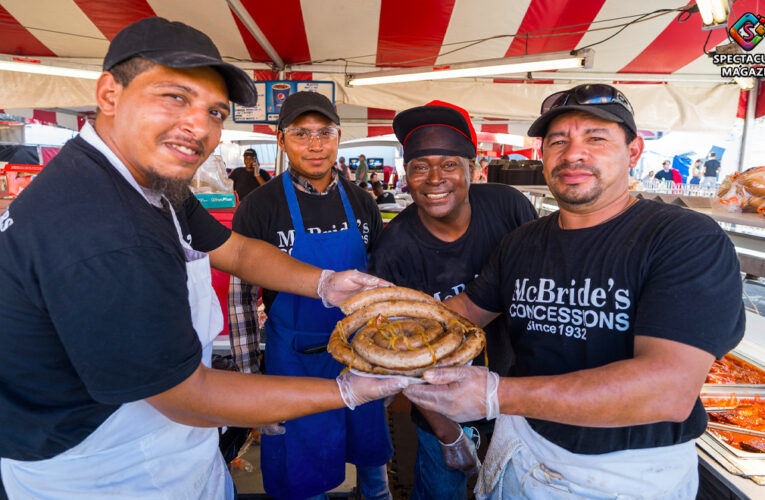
177	45
306	102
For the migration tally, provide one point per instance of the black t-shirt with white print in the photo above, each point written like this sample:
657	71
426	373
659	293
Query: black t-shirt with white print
407	254
264	215
575	300
95	309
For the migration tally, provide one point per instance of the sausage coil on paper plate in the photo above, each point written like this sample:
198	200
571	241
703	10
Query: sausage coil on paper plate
400	331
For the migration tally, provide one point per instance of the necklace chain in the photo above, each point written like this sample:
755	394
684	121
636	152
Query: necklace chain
631	202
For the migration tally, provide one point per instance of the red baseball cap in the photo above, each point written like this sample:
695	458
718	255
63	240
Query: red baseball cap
434	114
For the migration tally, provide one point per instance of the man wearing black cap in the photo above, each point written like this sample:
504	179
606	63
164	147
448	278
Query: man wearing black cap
437	245
320	218
613	333
250	176
108	310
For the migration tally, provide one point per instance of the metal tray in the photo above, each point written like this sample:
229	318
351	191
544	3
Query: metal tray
747	359
728	450
742	392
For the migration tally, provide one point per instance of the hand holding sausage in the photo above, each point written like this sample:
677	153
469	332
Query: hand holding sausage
357	390
336	287
462	393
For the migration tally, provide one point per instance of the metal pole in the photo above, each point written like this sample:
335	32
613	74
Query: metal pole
241	12
751	107
281	163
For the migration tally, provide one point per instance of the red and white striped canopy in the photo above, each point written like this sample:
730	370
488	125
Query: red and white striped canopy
325	39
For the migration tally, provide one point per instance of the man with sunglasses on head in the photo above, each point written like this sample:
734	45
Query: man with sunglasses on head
611	344
320	218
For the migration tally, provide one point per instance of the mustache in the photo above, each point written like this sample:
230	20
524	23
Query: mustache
196	143
573	166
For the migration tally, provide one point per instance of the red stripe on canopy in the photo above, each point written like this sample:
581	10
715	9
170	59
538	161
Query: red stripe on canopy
404	39
379	114
542	14
110	18
282	24
253	47
16	39
679	44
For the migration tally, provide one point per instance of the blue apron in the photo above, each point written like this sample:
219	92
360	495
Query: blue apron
309	458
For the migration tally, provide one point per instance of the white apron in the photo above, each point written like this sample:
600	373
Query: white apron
138	452
522	464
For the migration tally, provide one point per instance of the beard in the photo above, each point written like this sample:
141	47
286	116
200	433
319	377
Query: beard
575	195
175	190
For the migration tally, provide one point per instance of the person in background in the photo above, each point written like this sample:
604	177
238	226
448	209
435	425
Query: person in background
613	334
437	245
109	314
476	174
313	214
250	176
649	176
711	171
484	164
382	196
390	177
343	169
697	168
362	170
697	178
665	174
373	178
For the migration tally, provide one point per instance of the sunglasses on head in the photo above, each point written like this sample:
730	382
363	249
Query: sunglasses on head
586	95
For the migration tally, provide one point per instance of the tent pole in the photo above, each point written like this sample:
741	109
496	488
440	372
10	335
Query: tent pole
751	107
241	12
280	165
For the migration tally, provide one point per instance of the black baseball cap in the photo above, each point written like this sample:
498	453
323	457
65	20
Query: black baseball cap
250	152
458	138
306	102
601	100
177	45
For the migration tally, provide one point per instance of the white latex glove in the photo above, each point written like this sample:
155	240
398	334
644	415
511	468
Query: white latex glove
461	454
462	393
357	390
272	430
335	287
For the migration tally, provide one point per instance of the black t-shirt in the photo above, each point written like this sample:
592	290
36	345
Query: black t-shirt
245	181
664	175
575	299
265	216
94	302
407	254
386	197
711	167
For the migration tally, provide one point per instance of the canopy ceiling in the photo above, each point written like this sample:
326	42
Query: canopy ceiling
326	39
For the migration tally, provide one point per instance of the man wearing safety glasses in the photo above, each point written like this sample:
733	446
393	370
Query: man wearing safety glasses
316	216
615	318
